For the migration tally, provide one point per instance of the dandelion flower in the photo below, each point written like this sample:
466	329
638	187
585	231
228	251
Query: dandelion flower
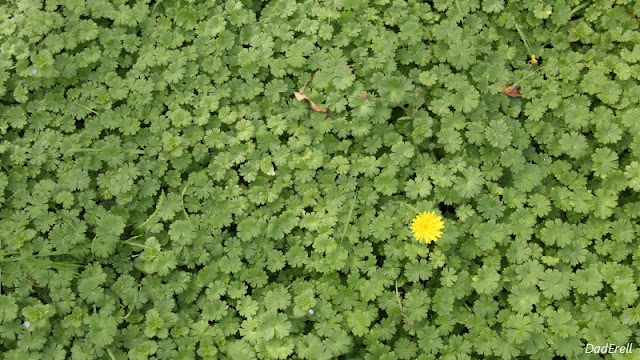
427	227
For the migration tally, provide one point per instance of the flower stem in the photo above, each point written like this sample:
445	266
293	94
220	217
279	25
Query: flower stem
533	72
524	38
403	203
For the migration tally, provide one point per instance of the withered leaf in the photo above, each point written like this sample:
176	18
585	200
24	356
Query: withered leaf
512	90
301	96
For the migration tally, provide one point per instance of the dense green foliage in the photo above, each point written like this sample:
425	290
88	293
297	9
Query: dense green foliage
165	196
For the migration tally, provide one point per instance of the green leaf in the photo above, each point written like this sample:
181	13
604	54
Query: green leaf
103	327
561	323
573	144
555	284
604	161
8	309
497	134
486	281
471	184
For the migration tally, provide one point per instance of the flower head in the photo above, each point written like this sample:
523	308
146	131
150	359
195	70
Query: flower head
427	227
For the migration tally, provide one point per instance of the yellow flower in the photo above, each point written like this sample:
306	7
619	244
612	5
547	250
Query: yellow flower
427	227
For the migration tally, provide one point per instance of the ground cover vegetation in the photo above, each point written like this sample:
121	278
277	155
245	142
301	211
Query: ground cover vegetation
237	179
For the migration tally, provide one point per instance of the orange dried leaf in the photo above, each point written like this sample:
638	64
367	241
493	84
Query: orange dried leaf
300	96
512	90
316	107
362	96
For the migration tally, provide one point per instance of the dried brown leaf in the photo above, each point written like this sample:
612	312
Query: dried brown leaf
316	107
301	96
512	90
